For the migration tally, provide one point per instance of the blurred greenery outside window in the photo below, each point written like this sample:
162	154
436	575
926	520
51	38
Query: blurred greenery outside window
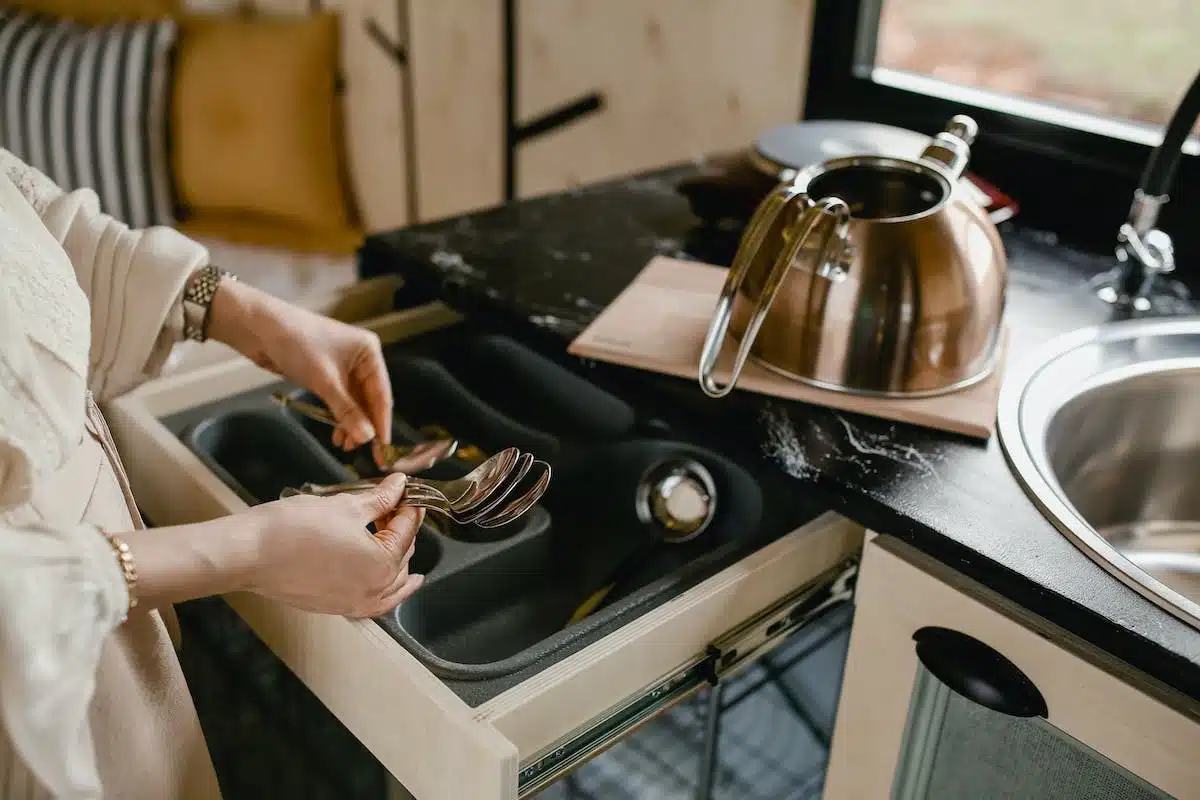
1126	60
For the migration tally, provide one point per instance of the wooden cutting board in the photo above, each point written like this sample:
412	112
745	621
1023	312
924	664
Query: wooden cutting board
659	322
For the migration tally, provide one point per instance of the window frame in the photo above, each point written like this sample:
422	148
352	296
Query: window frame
1071	172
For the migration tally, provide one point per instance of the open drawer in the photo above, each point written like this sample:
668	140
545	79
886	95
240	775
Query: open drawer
477	715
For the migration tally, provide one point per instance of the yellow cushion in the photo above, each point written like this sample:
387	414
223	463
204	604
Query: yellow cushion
256	128
248	229
99	12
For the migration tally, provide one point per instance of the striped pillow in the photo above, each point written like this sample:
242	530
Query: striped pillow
88	106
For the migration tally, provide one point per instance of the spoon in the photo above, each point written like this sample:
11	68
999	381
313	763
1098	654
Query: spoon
426	497
523	503
462	494
399	458
475	498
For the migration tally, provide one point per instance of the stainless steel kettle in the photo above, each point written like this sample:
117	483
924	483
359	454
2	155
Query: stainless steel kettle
867	274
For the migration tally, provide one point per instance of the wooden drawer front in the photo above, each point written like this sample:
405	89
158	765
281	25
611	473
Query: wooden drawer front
544	711
432	742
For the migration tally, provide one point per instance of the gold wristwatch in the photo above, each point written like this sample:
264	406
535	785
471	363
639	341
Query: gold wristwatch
197	300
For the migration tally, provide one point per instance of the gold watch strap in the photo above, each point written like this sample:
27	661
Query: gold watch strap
197	300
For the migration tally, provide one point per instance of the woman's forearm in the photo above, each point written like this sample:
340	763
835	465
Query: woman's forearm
237	316
185	562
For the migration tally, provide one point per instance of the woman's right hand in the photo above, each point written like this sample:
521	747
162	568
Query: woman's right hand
315	553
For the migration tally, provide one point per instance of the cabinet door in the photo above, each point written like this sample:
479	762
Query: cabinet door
950	691
678	80
456	99
550	94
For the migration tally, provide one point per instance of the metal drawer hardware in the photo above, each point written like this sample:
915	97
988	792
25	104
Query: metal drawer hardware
724	657
763	633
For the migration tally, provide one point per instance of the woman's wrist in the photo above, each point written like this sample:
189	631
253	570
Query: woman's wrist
184	562
238	317
128	566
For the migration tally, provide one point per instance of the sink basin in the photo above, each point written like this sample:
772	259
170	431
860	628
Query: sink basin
1102	428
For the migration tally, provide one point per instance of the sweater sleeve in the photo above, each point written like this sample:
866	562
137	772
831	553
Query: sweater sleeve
133	279
62	594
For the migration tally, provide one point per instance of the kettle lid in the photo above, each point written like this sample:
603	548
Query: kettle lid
801	144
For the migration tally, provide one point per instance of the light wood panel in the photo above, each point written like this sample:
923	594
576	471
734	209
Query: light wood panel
584	686
681	79
456	60
659	322
373	106
901	591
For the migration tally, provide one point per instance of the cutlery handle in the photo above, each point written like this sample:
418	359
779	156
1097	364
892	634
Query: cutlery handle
365	484
309	410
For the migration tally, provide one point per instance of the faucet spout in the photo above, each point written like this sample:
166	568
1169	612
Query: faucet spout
1145	253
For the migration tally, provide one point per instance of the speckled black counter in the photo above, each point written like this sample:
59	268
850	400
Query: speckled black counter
542	269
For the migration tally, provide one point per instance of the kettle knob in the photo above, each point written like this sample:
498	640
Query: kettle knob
963	127
950	150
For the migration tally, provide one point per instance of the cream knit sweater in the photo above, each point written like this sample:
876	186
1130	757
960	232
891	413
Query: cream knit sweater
85	701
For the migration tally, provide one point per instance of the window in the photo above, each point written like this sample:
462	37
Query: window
1126	60
1071	95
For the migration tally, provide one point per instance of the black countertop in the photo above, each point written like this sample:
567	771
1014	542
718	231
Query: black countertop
545	267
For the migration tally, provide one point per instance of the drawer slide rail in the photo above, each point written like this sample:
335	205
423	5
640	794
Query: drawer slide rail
732	652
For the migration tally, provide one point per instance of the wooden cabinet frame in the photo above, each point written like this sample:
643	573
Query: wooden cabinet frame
1145	728
432	742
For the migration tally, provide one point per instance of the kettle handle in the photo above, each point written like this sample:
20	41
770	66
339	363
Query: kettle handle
809	220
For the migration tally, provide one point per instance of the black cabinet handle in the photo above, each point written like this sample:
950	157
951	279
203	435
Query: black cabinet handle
978	672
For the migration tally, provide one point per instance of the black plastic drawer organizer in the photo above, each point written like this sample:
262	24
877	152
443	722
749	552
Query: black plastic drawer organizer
499	602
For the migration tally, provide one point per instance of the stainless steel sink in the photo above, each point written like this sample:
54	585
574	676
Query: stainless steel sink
1102	427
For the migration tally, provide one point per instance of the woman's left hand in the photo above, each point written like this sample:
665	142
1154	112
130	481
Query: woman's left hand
341	364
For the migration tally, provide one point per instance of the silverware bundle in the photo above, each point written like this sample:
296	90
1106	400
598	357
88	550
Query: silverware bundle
477	498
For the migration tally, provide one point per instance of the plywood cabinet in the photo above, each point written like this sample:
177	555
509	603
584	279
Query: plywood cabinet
526	97
951	690
456	100
457	105
677	79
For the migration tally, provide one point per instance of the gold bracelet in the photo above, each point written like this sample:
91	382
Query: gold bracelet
128	568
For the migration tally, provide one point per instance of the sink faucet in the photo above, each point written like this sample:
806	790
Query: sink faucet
1145	253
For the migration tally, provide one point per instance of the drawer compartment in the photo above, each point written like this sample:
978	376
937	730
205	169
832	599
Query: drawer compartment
453	733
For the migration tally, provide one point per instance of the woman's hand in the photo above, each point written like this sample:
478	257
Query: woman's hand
316	554
342	364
